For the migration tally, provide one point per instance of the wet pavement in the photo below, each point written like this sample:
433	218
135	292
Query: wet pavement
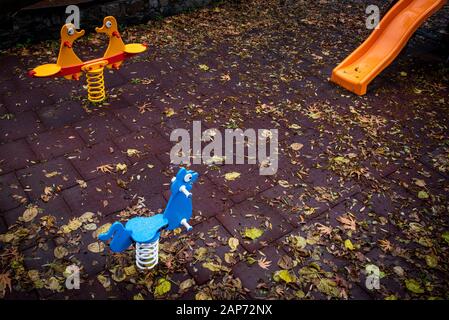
362	181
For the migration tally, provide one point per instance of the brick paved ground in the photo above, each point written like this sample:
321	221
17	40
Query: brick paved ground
361	181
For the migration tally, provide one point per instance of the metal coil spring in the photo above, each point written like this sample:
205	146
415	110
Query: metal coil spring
147	254
95	85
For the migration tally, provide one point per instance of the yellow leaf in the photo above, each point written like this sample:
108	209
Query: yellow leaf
138	296
349	245
432	260
204	67
30	214
163	286
132	152
296	146
74	224
284	275
214	267
233	243
60	252
413	286
231	176
52	174
103	229
186	284
202	296
121	167
130	271
53	284
284	183
169	112
295	126
423	195
96	247
420	183
105	281
253	233
341	159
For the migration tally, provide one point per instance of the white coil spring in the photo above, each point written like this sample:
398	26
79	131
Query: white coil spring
147	254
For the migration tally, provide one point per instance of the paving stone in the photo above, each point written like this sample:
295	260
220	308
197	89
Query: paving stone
437	159
101	195
253	277
16	155
370	228
58	173
418	177
56	207
26	100
296	203
20	126
247	185
254	214
146	142
87	160
61	114
11	192
55	143
99	128
136	120
39	255
203	235
146	178
14	295
3	226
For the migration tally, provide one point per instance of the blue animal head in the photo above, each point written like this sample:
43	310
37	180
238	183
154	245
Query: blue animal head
184	179
179	207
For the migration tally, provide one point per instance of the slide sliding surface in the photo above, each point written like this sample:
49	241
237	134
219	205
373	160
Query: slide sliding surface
384	44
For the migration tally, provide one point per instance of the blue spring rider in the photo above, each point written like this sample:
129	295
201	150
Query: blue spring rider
145	231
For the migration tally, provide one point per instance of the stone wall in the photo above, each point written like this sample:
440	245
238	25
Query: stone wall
31	25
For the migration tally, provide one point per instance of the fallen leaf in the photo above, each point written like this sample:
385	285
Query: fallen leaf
163	286
231	176
138	296
413	286
60	252
348	222
202	296
132	153
121	167
284	183
96	247
284	275
186	284
106	168
264	263
253	233
233	243
432	260
169	112
420	183
423	195
296	146
324	230
30	213
349	245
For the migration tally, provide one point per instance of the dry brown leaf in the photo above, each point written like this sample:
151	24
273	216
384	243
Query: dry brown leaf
264	263
105	168
348	222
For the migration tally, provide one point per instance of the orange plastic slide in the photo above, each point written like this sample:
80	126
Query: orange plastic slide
384	44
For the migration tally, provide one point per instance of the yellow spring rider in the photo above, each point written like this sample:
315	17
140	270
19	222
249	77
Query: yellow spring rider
70	66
